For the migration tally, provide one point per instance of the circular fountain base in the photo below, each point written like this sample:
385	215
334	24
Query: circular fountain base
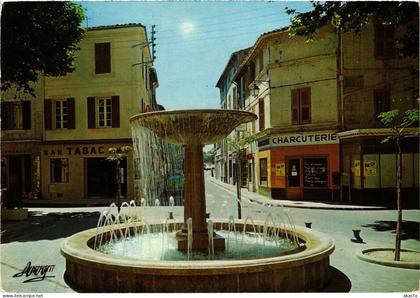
88	270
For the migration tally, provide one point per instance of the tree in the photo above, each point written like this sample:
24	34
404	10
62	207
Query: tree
352	16
116	155
398	127
238	146
38	38
208	156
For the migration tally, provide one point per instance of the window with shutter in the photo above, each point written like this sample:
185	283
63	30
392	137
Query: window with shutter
384	41
26	114
71	112
261	114
103	112
4	115
295	106
48	114
382	101
91	112
305	105
115	101
301	106
102	57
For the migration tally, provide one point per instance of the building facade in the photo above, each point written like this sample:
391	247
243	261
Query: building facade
225	163
83	114
317	104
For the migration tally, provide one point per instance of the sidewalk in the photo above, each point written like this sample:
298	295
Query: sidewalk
255	197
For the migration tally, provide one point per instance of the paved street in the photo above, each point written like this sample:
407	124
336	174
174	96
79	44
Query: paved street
38	240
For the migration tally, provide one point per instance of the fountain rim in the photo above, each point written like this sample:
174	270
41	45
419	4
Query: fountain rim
77	249
200	111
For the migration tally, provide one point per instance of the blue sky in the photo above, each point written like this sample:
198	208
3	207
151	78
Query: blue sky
194	39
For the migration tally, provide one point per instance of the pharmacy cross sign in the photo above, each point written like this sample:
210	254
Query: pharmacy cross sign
39	272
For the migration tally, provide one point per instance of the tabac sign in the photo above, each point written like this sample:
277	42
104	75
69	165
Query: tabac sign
299	139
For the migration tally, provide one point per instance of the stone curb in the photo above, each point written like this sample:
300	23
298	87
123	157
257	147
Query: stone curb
407	265
277	204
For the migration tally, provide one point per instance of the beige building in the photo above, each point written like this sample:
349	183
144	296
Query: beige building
83	114
317	105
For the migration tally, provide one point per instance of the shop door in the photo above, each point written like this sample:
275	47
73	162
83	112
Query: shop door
19	175
294	190
101	178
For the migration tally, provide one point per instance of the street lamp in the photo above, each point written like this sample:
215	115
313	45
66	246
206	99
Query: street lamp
255	90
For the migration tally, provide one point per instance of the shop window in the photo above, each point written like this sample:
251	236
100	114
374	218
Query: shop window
384	42
315	172
102	57
59	170
16	115
103	112
59	113
263	172
301	106
382	101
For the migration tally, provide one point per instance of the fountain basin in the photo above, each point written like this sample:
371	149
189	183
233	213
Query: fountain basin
201	126
88	270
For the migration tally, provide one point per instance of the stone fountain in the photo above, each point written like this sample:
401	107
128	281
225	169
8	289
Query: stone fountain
305	268
193	129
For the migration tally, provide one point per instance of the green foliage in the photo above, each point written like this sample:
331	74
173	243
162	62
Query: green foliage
116	154
208	156
238	144
38	38
352	16
392	120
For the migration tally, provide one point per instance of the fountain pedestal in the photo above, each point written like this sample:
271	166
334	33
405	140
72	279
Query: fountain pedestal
195	201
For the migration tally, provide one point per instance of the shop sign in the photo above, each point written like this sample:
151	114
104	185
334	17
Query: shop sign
313	138
85	150
356	168
369	168
280	169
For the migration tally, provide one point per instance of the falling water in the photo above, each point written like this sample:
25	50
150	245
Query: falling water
158	167
190	236
211	240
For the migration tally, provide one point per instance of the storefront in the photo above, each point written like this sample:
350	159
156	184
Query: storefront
369	168
78	171
20	168
299	166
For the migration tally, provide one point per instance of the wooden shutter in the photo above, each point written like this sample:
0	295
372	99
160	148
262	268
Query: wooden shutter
305	105
26	114
295	106
48	114
261	114
71	116
102	57
115	102
91	112
5	115
379	41
382	101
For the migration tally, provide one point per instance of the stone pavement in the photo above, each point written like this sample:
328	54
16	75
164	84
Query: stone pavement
255	197
38	241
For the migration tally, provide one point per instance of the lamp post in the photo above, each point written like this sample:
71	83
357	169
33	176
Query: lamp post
255	89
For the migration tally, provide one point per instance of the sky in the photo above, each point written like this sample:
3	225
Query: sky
194	39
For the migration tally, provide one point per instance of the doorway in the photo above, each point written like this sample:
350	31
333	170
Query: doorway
294	190
101	177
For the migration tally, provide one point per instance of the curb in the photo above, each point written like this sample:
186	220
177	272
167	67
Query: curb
398	264
361	208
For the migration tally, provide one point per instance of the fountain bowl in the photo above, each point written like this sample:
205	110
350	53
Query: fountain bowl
304	270
203	126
